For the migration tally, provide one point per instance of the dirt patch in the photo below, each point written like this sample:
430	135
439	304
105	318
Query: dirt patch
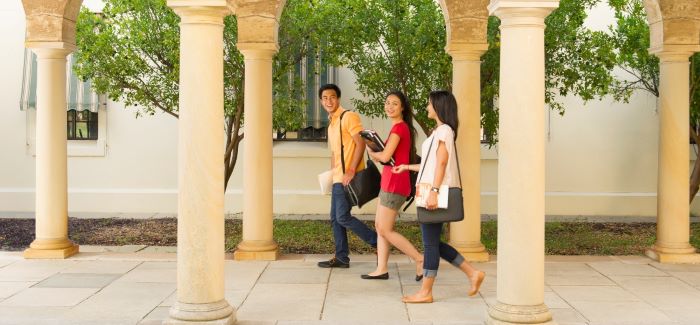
315	236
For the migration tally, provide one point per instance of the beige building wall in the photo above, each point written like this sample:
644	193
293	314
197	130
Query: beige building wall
601	156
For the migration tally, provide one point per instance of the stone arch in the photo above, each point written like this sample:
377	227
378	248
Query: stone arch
51	21
673	22
466	21
258	21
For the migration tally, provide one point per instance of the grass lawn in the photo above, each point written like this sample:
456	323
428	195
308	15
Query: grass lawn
315	236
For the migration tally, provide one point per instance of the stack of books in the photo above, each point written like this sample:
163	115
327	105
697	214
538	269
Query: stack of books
375	143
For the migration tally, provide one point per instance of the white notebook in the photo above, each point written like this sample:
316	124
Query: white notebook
424	188
325	179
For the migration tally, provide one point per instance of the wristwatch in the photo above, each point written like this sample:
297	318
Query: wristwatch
435	189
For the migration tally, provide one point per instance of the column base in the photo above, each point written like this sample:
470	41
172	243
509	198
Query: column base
51	249
219	313
254	251
673	258
475	256
504	314
472	253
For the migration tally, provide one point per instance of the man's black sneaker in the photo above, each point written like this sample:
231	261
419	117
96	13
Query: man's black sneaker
333	262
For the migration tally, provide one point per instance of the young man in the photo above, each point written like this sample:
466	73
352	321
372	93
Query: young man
354	147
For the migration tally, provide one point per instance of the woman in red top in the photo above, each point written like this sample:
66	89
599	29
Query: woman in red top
395	188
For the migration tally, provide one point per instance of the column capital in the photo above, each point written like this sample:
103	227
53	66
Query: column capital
522	13
201	12
674	53
258	51
50	47
51	53
466	51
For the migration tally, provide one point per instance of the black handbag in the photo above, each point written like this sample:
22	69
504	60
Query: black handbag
364	187
455	205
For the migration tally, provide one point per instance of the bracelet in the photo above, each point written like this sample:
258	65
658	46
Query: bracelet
350	170
435	189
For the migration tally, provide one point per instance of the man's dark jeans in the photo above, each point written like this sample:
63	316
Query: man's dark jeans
342	220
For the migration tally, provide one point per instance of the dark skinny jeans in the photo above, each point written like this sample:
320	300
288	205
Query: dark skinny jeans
433	249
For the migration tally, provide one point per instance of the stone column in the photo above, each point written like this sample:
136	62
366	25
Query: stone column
51	154
200	226
521	164
673	223
465	235
257	243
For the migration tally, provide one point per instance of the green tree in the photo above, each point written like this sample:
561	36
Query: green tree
631	39
394	44
400	45
131	53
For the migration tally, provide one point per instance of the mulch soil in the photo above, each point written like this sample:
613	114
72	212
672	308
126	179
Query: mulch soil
315	236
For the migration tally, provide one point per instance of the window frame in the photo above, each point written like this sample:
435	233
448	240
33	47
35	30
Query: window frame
75	148
73	121
318	130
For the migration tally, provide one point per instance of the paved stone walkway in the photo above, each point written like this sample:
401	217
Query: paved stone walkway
136	285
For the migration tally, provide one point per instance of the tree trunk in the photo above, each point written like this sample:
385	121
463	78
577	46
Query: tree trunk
423	127
695	175
233	140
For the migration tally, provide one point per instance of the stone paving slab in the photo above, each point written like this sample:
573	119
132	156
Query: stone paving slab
242	276
49	297
473	311
101	267
120	303
684	316
619	268
595	293
8	289
76	280
568	316
152	272
20	315
33	270
156	316
308	275
117	249
5	262
139	288
617	312
283	301
691	278
159	249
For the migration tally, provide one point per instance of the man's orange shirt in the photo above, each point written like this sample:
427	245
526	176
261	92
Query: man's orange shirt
351	125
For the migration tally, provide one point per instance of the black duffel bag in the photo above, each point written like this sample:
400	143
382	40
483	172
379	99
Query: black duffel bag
364	187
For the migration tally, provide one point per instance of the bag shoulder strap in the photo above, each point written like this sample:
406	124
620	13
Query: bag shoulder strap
342	148
454	144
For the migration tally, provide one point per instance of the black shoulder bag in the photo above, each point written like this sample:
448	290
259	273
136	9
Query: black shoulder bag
364	187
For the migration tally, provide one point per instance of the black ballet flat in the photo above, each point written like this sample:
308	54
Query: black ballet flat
384	276
419	277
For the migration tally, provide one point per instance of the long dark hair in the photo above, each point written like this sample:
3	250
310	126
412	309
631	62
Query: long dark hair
407	116
445	106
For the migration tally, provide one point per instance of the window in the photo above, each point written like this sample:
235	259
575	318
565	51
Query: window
82	125
86	111
312	72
